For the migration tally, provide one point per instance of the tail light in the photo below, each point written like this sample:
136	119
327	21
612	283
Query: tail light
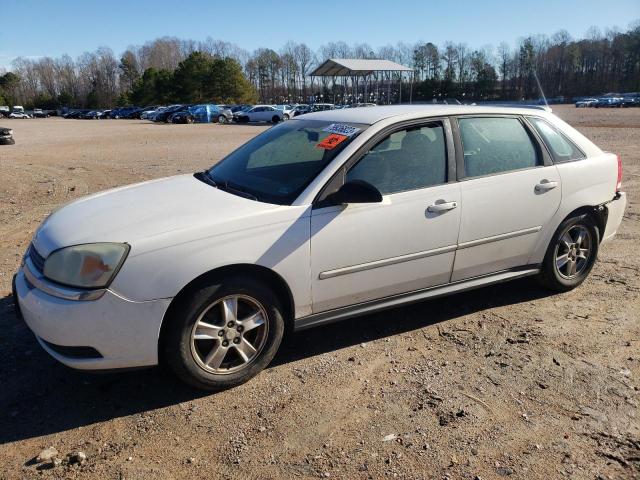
619	181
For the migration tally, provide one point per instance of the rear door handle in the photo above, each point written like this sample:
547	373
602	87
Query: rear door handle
545	185
441	207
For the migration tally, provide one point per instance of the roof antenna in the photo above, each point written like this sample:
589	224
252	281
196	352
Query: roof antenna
547	108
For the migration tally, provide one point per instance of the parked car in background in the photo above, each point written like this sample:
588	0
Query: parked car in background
631	100
366	104
515	192
4	111
238	108
203	113
104	114
19	115
300	110
115	112
321	107
149	113
133	113
92	114
287	111
75	114
259	113
163	116
586	102
39	113
122	112
225	115
608	102
6	136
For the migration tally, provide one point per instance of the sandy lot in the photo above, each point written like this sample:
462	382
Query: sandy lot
507	381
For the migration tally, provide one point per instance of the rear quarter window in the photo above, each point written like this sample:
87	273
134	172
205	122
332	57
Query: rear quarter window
562	149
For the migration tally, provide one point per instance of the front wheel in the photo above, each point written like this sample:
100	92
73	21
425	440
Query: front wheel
222	119
224	334
571	254
275	119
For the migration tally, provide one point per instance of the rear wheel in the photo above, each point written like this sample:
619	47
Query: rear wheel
224	334
222	119
571	254
275	119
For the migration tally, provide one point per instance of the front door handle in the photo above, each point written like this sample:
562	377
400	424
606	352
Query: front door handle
441	206
545	185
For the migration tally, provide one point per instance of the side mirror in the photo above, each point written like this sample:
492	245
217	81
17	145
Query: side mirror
355	191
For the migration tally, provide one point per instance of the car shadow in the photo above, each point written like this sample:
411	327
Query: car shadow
39	396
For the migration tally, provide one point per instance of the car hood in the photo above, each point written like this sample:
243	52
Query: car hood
149	215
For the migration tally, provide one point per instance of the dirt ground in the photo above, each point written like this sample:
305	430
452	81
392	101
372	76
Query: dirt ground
506	381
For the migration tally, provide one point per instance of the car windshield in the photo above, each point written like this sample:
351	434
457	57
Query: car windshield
277	165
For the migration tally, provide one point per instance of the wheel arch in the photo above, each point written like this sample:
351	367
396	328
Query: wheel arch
598	213
270	278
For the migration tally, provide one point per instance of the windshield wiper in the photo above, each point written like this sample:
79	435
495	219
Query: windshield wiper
206	178
223	185
241	193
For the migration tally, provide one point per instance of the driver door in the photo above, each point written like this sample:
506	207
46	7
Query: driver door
363	252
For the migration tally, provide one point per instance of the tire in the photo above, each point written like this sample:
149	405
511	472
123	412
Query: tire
222	119
285	116
189	120
567	264
193	359
275	119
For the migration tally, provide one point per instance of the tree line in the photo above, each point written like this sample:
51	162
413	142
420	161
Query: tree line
169	70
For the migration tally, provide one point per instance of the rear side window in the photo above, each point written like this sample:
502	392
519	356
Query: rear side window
406	160
495	145
562	149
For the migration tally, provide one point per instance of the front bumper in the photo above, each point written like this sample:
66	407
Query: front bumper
124	333
615	212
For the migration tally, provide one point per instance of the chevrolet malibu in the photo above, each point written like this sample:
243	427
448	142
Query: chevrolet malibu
328	216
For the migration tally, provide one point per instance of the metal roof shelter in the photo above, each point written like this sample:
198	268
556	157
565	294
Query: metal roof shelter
362	69
351	67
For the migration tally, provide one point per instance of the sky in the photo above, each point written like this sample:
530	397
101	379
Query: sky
33	28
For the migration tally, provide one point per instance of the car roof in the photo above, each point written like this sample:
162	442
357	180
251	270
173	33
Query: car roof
369	115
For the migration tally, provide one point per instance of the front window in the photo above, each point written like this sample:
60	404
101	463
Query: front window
409	159
276	166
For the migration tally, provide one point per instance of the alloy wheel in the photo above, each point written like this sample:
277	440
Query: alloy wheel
229	334
573	251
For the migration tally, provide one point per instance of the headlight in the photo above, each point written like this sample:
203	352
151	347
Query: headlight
86	266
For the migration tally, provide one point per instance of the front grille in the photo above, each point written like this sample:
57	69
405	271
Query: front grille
73	352
36	258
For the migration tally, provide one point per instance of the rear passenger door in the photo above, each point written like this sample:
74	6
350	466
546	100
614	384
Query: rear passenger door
510	190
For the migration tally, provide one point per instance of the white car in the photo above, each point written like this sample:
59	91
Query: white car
19	115
322	218
287	111
259	113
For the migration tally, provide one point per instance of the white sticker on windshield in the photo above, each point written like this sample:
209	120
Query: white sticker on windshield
341	129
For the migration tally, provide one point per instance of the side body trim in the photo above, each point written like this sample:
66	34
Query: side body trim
502	236
412	297
383	263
